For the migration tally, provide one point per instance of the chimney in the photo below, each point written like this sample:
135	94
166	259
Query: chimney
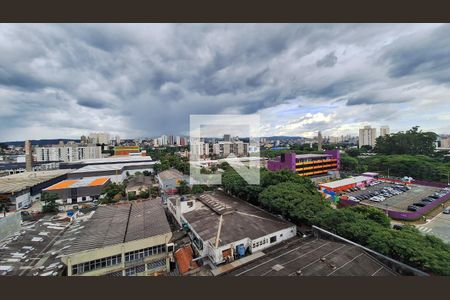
28	156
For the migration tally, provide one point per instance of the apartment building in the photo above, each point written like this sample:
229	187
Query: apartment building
224	149
69	152
367	136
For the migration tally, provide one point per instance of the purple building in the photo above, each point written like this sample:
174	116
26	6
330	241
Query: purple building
307	164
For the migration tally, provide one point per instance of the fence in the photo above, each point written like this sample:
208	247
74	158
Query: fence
10	225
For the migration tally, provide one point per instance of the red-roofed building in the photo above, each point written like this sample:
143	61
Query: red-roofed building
184	258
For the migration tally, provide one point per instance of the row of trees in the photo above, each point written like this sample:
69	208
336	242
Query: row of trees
411	142
417	166
298	200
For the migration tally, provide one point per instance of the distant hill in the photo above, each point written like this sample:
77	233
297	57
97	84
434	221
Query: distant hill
284	137
39	142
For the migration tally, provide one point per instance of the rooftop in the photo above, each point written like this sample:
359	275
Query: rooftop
240	219
116	224
75	183
115	159
17	182
346	181
312	155
111	167
170	174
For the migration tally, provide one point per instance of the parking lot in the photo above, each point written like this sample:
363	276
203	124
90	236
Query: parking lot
397	202
314	257
439	226
29	251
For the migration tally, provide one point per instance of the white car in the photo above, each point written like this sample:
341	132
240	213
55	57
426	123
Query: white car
375	199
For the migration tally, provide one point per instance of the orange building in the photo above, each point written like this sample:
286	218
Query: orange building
126	150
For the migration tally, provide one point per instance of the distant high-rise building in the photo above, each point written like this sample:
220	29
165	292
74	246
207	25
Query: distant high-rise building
367	136
28	156
118	140
226	138
99	138
84	140
384	130
319	141
164	140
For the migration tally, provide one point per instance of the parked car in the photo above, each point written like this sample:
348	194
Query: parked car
397	227
412	208
26	206
420	204
427	200
447	211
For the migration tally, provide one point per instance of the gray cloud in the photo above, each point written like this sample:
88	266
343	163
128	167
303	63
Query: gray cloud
328	61
145	80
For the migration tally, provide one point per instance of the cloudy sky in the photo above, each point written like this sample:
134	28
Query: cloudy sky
137	80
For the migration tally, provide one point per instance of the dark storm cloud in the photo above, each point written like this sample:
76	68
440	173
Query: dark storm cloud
92	103
327	61
425	55
140	79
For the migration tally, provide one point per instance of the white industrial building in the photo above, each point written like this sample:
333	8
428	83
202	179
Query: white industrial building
117	172
223	228
23	189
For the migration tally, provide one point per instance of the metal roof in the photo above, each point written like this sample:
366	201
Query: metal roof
116	224
240	219
346	181
115	159
18	182
111	167
76	183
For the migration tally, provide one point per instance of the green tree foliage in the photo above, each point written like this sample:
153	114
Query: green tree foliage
297	202
113	192
353	152
50	204
183	188
411	142
144	194
297	199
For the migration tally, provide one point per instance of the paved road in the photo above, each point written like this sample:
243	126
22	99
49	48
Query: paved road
439	226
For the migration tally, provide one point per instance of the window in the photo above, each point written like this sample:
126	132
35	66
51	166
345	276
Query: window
273	239
134	270
96	264
139	254
190	204
156	265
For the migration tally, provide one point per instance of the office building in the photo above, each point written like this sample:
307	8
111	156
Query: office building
307	164
367	136
130	239
384	130
69	152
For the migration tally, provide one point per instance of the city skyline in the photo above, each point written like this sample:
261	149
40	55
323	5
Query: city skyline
137	80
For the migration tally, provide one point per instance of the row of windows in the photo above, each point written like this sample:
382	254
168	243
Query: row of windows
260	243
139	254
134	270
156	264
96	264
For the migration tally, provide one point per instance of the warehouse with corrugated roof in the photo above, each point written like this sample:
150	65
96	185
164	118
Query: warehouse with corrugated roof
72	191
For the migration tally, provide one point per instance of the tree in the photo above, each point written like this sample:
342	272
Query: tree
411	142
113	192
353	152
144	193
146	173
183	188
50	204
